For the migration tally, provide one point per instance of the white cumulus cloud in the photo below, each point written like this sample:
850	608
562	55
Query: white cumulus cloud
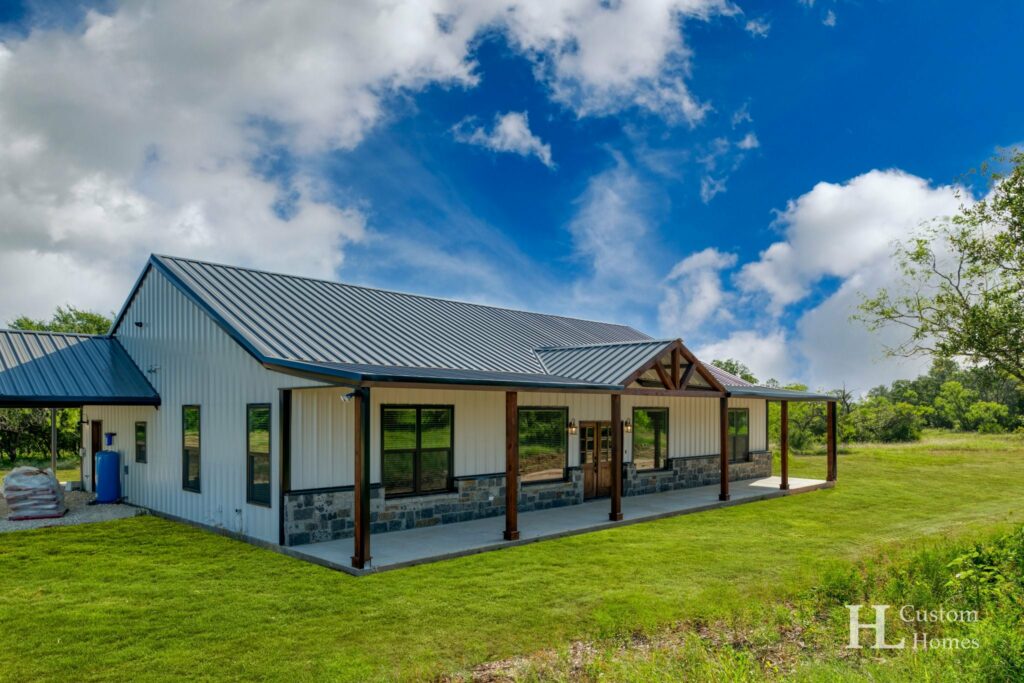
693	295
144	126
510	133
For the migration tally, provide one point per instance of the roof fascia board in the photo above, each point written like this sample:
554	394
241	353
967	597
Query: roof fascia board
77	401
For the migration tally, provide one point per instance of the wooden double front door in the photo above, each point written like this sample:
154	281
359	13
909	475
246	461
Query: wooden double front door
596	458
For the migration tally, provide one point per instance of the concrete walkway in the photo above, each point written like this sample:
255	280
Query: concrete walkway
430	544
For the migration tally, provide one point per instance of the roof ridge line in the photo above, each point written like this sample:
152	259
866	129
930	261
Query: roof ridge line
391	291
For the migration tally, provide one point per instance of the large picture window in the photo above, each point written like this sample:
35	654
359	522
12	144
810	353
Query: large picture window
650	438
257	454
543	452
190	449
417	449
140	442
739	434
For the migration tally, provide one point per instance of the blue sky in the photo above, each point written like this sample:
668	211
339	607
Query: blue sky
733	174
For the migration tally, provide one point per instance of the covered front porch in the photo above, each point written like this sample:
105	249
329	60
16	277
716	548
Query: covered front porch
431	544
488	496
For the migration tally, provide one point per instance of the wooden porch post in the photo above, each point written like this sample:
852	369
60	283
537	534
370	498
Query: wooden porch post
511	466
784	443
723	446
284	474
831	441
361	488
616	512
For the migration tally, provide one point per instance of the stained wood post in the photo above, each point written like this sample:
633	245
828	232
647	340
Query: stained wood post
616	512
511	466
284	474
831	441
361	488
723	446
784	443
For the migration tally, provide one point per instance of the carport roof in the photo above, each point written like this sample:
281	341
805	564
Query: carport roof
59	370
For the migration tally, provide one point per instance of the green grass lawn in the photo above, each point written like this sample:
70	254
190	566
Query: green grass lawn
62	474
147	598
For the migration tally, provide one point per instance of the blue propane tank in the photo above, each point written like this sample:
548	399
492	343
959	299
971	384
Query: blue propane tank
108	477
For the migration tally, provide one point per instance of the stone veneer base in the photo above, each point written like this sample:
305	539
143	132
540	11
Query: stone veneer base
326	515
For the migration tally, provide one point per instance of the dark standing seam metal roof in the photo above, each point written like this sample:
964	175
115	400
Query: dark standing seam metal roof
301	319
353	334
55	370
601	363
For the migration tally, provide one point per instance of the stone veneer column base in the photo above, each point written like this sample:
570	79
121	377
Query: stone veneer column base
311	517
689	472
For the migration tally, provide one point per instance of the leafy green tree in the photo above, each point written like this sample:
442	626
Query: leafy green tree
735	367
66	319
880	420
952	404
987	417
962	294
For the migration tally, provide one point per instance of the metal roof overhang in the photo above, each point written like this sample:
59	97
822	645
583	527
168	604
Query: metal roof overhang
58	370
777	394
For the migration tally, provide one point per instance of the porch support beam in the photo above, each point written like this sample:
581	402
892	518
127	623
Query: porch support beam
284	473
831	441
361	481
511	466
616	512
723	447
784	443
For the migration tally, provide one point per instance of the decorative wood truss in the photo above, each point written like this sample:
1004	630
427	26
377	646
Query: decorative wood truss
674	371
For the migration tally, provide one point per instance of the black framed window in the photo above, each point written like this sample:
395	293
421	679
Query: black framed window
650	438
257	454
140	442
543	447
739	434
417	449
191	459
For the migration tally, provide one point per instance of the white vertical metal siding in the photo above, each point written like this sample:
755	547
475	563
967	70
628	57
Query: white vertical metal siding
322	439
757	407
190	360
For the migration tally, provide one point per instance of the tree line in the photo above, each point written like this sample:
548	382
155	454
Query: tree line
949	396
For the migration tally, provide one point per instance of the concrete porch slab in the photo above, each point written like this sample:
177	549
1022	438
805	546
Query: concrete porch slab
431	544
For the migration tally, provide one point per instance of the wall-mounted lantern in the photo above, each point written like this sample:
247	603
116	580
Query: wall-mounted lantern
627	427
572	427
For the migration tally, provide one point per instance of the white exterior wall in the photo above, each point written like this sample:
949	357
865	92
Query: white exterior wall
322	437
195	362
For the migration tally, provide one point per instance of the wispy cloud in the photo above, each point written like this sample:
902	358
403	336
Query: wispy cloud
830	18
510	133
758	27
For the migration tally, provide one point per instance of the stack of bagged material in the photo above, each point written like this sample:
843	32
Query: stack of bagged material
32	493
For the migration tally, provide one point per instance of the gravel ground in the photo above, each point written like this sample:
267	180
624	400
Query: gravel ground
79	512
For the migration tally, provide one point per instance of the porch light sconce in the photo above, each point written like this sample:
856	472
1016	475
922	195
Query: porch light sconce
627	427
572	427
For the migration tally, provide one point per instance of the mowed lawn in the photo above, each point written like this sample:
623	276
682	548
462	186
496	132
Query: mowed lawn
146	598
